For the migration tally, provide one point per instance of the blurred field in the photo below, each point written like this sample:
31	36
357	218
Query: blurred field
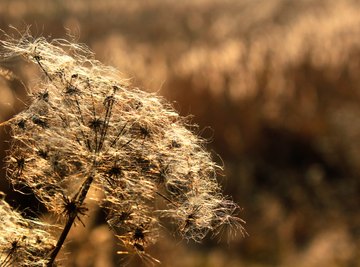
275	84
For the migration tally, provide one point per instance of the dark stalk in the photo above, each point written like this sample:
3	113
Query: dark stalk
78	199
38	58
109	102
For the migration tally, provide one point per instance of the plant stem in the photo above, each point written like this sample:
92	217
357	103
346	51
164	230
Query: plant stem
78	199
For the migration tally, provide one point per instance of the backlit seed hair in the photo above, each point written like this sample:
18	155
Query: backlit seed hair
88	129
23	242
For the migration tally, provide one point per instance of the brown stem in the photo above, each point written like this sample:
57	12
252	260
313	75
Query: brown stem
78	200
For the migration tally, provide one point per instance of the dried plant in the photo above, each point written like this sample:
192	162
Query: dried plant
23	242
88	134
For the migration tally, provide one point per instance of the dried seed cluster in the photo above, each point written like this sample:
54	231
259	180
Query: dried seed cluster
86	128
23	242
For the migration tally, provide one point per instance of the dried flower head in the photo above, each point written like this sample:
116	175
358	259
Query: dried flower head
23	242
86	128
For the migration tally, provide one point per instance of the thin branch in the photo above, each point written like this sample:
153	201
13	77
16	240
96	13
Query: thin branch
78	200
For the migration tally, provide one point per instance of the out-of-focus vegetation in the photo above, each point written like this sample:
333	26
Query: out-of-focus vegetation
278	83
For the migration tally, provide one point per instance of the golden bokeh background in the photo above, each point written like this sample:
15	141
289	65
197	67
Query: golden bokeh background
275	86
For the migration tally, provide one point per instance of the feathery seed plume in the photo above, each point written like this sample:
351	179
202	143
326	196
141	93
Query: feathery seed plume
86	128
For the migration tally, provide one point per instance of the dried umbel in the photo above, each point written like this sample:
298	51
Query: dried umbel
23	242
87	129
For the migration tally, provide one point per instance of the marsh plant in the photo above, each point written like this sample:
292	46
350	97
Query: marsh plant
87	134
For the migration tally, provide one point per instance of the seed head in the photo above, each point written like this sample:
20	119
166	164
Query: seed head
84	121
23	242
